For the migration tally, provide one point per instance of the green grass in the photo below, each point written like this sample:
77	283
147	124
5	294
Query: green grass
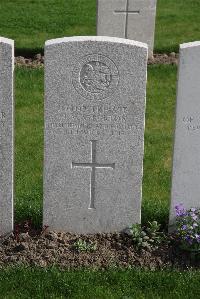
31	22
160	111
52	283
158	143
177	22
29	144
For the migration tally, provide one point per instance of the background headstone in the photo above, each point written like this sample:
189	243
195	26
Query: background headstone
6	134
186	161
94	129
132	19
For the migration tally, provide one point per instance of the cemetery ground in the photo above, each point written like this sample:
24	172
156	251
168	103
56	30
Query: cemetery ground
30	23
157	278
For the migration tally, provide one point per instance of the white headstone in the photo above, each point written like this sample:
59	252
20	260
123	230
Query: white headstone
132	19
94	132
6	134
186	161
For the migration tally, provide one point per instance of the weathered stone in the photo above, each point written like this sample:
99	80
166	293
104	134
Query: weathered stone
133	19
173	54
24	237
38	56
186	162
94	128
6	134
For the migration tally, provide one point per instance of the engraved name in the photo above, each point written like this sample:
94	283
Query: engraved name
95	109
91	119
192	123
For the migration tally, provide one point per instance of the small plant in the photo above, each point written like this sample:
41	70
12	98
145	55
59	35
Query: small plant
149	237
188	227
83	246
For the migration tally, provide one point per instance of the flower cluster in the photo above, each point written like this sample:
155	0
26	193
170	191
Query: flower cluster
188	227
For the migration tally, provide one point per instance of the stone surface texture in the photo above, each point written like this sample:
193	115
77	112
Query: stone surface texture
95	91
186	161
132	19
6	134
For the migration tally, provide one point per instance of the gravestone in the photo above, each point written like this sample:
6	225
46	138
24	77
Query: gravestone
94	129
6	134
132	19
186	161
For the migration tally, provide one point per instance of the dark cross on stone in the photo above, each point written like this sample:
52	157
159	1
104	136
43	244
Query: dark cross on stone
93	165
127	12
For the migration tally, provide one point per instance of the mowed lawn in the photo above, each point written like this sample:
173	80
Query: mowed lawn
52	283
31	22
161	93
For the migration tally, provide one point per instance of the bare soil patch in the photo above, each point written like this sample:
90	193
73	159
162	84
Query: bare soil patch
46	248
171	58
38	60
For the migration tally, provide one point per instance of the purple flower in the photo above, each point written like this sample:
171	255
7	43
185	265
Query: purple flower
188	225
188	239
194	217
184	227
197	238
180	211
195	224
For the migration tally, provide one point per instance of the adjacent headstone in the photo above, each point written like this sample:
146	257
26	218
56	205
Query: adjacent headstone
186	161
132	19
94	133
6	134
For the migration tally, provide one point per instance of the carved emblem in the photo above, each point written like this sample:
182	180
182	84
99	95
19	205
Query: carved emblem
95	77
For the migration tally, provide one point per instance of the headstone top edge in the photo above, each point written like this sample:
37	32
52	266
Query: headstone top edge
190	45
96	38
5	40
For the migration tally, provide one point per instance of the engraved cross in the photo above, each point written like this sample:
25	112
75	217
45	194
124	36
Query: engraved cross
93	165
127	12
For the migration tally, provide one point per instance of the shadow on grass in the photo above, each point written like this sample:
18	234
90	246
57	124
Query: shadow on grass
28	53
29	209
155	214
167	50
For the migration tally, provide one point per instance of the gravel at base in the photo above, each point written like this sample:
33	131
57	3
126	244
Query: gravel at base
171	58
38	60
112	250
